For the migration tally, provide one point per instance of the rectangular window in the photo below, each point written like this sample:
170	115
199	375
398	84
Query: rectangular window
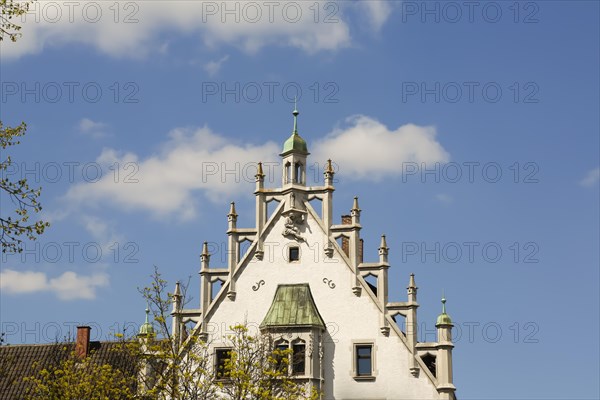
221	356
294	254
298	358
364	359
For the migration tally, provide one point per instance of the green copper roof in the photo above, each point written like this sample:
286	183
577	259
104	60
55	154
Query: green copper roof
293	305
146	329
443	318
295	143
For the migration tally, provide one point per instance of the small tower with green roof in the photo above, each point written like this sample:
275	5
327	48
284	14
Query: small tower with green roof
146	330
294	156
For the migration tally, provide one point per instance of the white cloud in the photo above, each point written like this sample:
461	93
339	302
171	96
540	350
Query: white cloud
164	184
444	198
199	161
103	232
377	11
213	67
68	286
367	149
133	29
591	179
96	130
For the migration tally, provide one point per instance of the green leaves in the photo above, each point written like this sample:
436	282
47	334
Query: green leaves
24	198
8	10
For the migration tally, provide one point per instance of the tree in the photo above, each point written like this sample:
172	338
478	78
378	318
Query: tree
19	192
184	364
69	377
10	9
171	372
256	370
25	199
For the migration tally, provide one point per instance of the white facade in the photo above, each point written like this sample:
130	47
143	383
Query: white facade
352	313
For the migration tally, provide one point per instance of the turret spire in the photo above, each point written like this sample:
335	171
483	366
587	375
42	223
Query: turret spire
295	113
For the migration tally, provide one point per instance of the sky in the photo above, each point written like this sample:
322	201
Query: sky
468	130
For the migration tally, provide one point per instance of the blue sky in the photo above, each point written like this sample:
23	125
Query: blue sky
469	135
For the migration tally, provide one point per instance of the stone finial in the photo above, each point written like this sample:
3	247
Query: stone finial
232	214
259	171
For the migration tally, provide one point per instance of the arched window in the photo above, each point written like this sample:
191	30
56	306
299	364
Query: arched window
288	172
429	360
371	280
281	354
298	173
298	357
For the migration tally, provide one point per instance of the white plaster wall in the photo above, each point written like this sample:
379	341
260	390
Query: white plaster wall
347	316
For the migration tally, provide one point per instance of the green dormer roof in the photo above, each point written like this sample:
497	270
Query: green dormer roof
293	306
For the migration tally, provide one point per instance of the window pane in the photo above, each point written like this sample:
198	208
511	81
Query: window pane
299	352
221	356
279	357
363	360
294	253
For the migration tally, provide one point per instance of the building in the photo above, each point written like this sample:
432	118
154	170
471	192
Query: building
18	362
303	280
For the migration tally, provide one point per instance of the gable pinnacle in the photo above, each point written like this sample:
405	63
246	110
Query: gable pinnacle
177	290
259	171
355	205
329	167
411	282
383	245
232	212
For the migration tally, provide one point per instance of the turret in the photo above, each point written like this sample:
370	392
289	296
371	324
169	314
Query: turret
327	207
205	288
146	330
444	357
146	375
411	324
233	249
294	156
176	313
261	210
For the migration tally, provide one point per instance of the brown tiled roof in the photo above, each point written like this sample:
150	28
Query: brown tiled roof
17	362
